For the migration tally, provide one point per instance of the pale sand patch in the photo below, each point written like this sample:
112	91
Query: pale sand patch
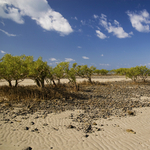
31	82
56	136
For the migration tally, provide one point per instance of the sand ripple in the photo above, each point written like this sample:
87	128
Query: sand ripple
52	133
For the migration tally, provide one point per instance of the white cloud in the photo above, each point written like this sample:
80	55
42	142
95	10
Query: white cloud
116	22
83	22
69	59
79	47
100	34
53	59
74	18
140	21
54	63
104	64
116	29
131	33
84	57
148	64
98	27
2	23
37	10
3	52
8	34
102	55
95	16
80	30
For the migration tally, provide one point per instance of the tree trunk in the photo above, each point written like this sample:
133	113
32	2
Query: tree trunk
54	83
90	79
16	84
37	82
42	83
9	81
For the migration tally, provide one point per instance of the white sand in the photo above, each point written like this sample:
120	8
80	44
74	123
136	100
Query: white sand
57	136
107	79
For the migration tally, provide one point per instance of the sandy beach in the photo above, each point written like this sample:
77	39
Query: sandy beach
66	130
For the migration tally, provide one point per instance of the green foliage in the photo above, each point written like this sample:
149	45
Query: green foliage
103	71
97	71
20	67
60	70
120	71
112	71
143	72
38	71
14	67
50	76
71	73
85	72
140	72
133	73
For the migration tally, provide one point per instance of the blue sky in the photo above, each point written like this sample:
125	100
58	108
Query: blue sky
108	34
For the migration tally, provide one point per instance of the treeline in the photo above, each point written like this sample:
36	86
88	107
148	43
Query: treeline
21	67
134	73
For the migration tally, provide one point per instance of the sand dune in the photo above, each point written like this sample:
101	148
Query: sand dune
52	132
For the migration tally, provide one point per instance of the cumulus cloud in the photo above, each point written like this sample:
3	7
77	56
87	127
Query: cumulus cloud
3	52
100	34
79	47
102	55
8	34
116	29
37	10
69	59
53	59
84	57
140	20
104	64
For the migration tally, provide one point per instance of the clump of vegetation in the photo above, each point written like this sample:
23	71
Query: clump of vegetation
85	72
14	68
101	72
131	131
134	73
60	71
131	113
21	67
